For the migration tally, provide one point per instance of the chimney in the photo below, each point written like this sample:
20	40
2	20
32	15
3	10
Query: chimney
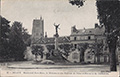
96	25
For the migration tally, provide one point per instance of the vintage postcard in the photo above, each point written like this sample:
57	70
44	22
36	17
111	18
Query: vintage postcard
60	38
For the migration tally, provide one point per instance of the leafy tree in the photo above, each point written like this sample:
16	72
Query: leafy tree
109	15
66	48
50	49
78	3
4	38
26	37
98	50
17	45
37	50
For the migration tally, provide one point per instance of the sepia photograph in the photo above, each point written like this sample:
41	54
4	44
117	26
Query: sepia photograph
60	38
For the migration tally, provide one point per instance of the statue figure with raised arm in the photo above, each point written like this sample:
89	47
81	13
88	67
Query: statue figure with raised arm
56	28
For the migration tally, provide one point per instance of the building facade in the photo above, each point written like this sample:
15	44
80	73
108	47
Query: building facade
78	37
90	36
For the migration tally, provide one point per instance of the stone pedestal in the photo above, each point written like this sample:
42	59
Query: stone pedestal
56	41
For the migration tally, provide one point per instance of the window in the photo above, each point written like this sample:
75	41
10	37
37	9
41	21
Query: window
89	38
90	31
79	38
75	38
86	37
75	45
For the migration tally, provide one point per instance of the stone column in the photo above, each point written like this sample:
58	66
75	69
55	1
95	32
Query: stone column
56	36
56	41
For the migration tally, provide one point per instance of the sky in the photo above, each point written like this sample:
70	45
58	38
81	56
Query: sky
52	11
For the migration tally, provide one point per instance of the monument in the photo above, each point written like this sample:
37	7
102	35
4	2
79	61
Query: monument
56	54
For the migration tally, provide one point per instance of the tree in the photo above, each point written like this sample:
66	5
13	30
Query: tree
37	50
109	15
17	45
26	36
99	51
50	49
4	38
66	48
78	3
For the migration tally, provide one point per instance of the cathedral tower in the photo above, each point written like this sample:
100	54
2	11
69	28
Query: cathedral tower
38	29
